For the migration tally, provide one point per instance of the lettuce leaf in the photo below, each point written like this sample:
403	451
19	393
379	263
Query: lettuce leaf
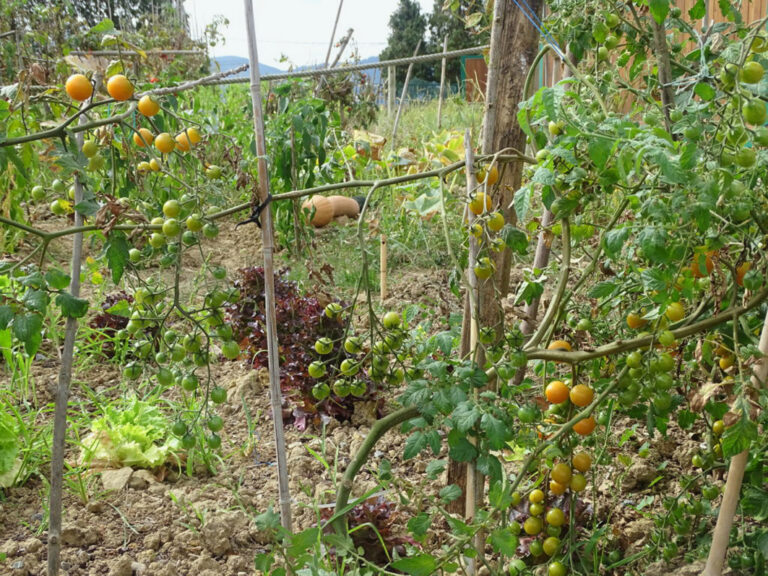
135	435
9	445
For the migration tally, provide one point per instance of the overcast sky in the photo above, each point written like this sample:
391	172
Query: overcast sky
299	29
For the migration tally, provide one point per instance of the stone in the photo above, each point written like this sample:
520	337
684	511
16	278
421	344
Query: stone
141	480
217	536
32	545
116	479
79	535
205	563
639	474
122	566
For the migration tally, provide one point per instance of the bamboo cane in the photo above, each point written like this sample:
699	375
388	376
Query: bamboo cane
722	532
383	269
401	105
442	85
269	272
62	392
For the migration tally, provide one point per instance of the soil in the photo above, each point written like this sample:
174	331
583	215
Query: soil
166	523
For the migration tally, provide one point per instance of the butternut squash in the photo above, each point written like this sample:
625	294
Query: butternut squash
325	209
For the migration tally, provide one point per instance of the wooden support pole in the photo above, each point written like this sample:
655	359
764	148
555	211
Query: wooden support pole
260	196
391	87
333	33
722	533
404	93
383	269
442	85
55	506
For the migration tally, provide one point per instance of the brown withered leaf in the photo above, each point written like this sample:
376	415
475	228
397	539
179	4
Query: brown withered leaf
109	215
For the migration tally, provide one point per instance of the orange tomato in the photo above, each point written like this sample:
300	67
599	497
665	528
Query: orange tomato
585	427
78	87
561	473
143	133
741	271
492	175
582	461
675	311
182	142
559	345
696	270
556	392
119	87
635	321
556	488
582	395
148	106
480	203
164	143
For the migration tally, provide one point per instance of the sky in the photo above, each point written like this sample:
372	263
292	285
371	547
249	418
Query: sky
299	29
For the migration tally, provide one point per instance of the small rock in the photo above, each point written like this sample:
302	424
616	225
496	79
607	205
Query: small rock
138	568
95	506
205	563
366	413
152	541
141	479
9	548
639	474
32	545
79	535
163	568
122	566
116	479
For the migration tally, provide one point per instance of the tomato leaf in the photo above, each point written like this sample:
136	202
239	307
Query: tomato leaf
614	241
418	525
504	542
698	10
464	416
450	493
514	238
500	495
117	254
421	565
659	10
415	443
29	329
599	150
71	307
57	279
739	436
6	315
36	300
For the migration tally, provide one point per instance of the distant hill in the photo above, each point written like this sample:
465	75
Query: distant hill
229	62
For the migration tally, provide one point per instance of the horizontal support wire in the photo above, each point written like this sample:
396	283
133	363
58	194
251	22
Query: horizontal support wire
357	67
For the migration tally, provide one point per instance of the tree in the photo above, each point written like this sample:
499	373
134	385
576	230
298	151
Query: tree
453	24
408	26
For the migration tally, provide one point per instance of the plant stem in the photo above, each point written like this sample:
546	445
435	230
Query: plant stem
378	430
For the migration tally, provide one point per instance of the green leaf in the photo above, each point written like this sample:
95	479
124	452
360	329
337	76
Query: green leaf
602	290
504	542
36	300
71	307
303	540
421	565
464	416
28	328
415	443
9	445
6	315
444	341
599	150
522	202
653	241
117	254
121	308
514	238
614	241
103	27
528	291
418	525
87	207
738	437
659	10
500	496
698	10
459	448
496	431
57	279
435	468
473	19
685	419
704	91
654	279
450	493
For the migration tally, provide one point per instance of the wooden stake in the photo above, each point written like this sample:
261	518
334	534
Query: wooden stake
391	87
474	480
404	92
333	34
275	394
722	532
383	269
442	85
65	381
